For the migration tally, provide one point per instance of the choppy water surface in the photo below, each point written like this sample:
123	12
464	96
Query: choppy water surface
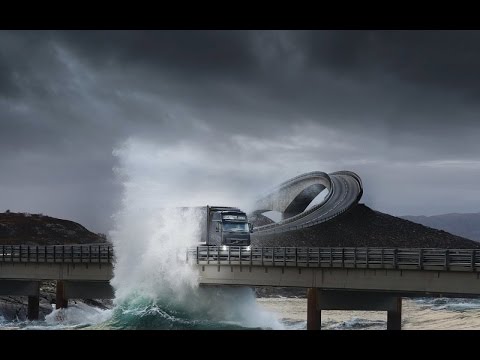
278	313
418	314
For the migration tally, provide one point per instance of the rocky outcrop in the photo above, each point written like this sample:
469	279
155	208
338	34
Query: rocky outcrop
14	308
38	229
364	227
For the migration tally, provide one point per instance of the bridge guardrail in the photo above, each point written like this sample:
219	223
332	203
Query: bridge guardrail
375	258
56	254
348	257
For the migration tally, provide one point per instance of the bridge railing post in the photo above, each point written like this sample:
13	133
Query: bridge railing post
446	259
366	257
395	260
473	260
197	255
420	259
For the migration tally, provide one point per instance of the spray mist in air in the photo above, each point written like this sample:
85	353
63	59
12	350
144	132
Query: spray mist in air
154	285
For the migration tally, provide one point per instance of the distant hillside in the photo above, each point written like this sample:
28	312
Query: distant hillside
37	229
466	225
361	227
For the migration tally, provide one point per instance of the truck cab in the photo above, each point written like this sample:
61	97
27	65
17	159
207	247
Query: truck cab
227	227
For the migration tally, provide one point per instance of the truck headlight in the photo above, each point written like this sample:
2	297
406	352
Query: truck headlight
248	248
224	247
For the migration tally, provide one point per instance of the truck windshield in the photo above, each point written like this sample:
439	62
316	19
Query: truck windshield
234	226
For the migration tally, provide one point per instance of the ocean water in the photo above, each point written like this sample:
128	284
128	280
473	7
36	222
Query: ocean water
275	313
417	314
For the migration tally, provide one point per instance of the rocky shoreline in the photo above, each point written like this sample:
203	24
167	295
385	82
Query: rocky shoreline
276	292
14	308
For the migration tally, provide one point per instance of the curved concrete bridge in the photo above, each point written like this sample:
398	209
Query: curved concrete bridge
293	196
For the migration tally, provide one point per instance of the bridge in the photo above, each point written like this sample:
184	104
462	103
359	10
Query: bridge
292	197
346	278
80	272
336	278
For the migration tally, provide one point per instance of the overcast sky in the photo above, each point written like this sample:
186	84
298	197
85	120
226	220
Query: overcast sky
242	110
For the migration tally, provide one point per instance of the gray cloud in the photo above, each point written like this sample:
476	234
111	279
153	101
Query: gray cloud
399	107
188	54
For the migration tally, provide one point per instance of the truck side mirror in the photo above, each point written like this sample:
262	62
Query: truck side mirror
217	227
251	227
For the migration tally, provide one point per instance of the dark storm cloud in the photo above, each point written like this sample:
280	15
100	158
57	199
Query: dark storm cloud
398	78
403	102
7	82
436	58
187	53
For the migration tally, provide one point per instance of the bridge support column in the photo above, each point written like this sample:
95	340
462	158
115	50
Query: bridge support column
31	289
394	317
314	315
61	301
33	307
353	300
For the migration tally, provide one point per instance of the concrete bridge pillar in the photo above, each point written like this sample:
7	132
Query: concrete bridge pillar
319	299
394	317
314	315
28	288
33	307
61	300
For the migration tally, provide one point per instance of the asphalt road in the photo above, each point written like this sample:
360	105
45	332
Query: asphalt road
345	193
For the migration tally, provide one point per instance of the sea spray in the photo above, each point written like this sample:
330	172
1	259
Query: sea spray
154	285
150	254
77	315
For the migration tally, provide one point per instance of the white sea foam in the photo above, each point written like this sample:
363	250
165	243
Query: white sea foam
76	315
